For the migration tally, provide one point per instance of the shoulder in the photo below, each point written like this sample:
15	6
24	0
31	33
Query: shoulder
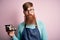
21	27
40	24
21	24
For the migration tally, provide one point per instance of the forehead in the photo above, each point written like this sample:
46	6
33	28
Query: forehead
30	8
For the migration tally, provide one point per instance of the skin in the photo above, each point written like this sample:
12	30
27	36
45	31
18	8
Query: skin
29	16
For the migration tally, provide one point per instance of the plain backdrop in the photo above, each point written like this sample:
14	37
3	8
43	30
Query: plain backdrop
48	11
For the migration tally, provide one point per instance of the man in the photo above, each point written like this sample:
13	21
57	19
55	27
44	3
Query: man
30	29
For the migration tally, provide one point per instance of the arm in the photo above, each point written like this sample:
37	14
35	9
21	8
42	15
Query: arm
18	35
15	38
44	32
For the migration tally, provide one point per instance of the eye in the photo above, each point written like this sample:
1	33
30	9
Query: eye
31	9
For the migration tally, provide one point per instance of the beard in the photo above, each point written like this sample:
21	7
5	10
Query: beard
30	19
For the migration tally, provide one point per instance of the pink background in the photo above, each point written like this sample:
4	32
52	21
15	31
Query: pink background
46	10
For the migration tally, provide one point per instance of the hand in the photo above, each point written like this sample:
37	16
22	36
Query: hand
11	33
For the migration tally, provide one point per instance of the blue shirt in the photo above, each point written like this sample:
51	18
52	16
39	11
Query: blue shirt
41	28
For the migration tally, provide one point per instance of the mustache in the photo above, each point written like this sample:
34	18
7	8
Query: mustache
30	15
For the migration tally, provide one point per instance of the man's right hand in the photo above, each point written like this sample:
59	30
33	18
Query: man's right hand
11	33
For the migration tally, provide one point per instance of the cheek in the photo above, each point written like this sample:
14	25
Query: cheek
26	13
32	13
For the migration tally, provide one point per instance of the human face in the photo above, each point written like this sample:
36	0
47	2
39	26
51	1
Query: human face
29	15
29	11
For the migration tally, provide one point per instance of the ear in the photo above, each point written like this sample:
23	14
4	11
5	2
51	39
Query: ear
24	12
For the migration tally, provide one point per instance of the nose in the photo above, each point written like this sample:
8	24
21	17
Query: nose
29	12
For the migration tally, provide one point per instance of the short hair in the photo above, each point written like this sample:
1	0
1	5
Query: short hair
27	5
